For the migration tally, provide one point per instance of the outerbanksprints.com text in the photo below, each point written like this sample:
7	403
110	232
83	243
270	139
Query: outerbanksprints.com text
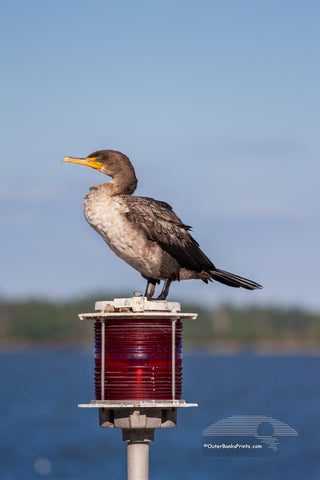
231	445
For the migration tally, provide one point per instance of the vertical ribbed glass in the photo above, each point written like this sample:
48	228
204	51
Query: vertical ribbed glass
138	359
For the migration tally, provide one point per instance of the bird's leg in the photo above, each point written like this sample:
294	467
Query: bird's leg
150	288
166	286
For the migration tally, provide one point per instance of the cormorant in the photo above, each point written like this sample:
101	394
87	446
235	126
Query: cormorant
144	232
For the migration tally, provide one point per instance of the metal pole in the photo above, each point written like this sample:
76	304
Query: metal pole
138	460
138	448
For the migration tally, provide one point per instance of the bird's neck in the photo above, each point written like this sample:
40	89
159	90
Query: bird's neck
121	185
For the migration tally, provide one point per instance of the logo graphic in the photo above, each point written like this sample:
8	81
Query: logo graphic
245	435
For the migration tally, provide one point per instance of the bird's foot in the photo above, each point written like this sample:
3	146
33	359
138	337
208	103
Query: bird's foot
150	288
161	297
166	286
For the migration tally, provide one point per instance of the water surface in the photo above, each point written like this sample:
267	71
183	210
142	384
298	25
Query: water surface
40	418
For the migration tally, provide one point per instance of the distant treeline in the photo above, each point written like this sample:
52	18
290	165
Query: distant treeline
47	323
270	327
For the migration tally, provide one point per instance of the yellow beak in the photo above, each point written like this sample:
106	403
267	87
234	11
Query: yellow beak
90	162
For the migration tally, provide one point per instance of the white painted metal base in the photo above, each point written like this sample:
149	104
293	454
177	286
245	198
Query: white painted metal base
136	307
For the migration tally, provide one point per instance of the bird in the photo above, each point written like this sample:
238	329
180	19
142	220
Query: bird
144	232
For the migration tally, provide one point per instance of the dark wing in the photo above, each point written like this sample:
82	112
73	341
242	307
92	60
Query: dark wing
161	225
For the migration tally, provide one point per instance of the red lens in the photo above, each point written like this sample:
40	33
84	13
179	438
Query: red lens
138	359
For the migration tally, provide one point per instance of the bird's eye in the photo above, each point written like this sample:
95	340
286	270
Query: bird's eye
98	160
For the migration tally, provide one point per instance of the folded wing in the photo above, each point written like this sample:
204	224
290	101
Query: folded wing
161	225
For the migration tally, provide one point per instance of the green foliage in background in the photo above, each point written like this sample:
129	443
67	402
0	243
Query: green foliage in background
46	323
255	325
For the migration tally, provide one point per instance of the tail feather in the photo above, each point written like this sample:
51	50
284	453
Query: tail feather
233	280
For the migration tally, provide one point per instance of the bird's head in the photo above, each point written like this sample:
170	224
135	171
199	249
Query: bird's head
109	162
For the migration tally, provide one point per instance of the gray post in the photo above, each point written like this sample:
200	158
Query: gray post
138	460
138	452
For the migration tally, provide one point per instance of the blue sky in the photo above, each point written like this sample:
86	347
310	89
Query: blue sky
216	104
